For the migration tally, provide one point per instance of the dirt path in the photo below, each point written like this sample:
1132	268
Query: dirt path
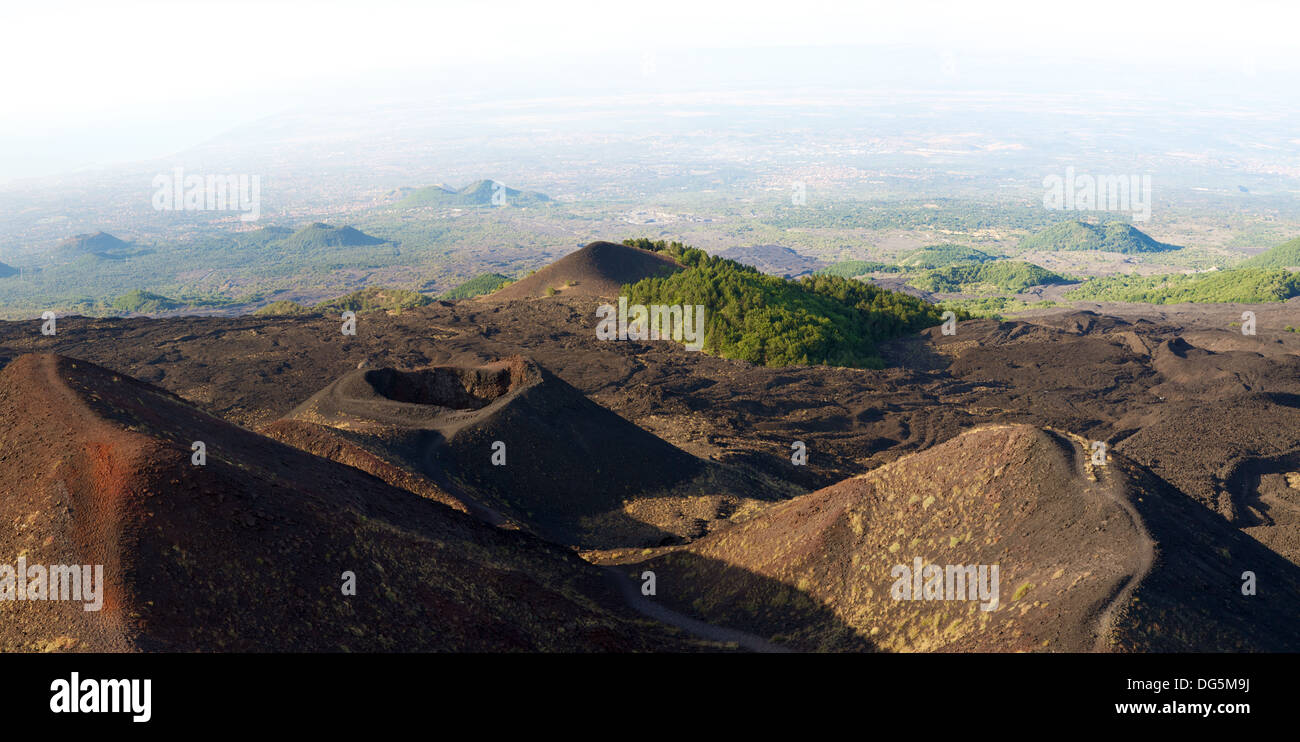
111	622
1146	549
646	607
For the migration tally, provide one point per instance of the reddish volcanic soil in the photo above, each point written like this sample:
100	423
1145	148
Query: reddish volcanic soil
1202	424
247	552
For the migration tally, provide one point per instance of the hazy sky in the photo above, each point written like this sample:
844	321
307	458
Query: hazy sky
88	83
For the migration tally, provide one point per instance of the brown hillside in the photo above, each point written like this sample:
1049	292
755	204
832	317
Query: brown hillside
1223	428
568	460
246	553
599	269
1090	558
330	444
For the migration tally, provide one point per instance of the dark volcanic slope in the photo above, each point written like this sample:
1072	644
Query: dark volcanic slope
1090	557
98	243
567	459
1080	372
599	269
1232	444
246	553
317	235
1238	411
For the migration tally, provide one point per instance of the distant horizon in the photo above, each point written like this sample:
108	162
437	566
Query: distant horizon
685	327
145	100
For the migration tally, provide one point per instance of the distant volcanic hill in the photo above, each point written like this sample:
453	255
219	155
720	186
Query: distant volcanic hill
318	235
144	302
566	458
99	243
1090	557
7	270
774	259
1112	237
249	552
942	256
479	193
599	269
1002	275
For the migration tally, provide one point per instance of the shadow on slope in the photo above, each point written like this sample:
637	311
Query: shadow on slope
1090	558
247	552
599	269
516	443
